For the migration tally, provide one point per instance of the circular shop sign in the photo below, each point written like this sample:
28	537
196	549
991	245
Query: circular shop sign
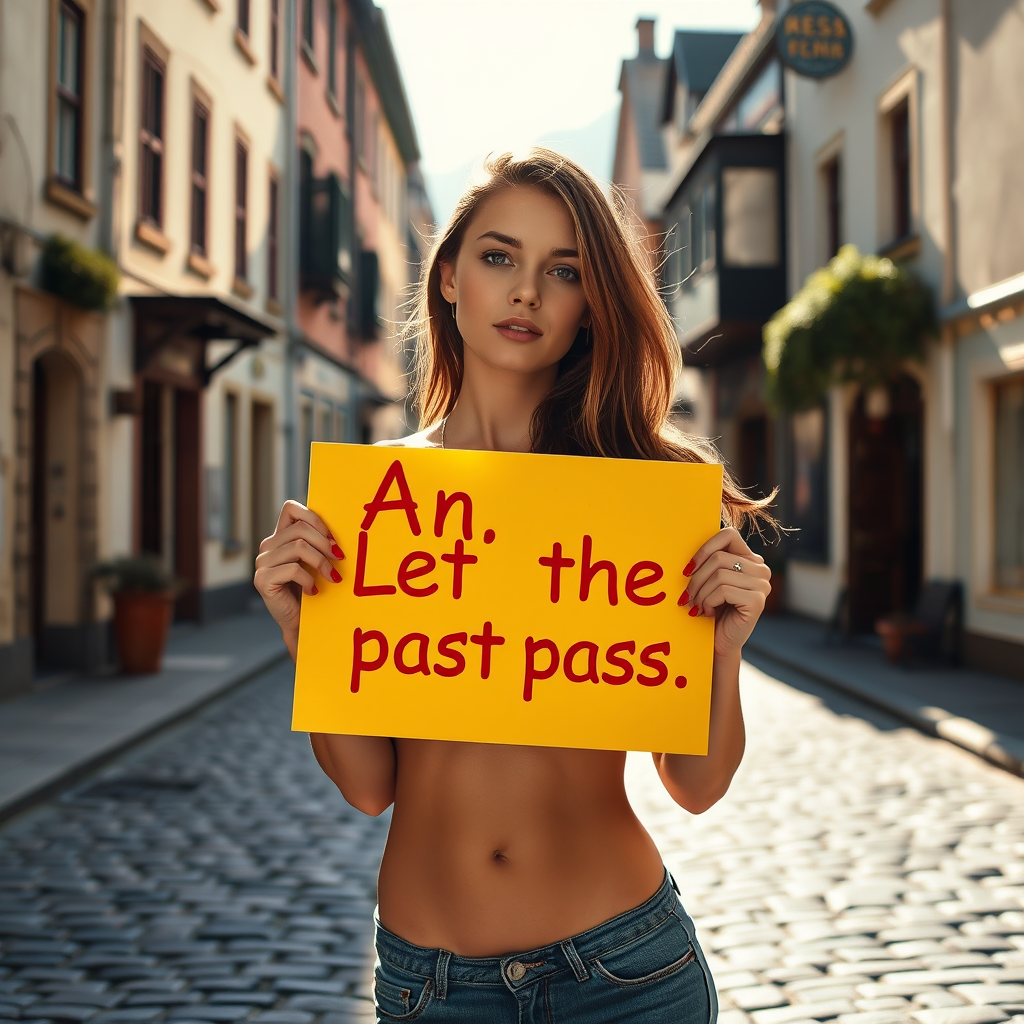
814	38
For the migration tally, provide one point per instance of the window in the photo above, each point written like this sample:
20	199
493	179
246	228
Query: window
899	128
151	136
241	189
1009	485
359	116
68	128
808	486
326	422
332	47
307	24
305	434
702	230
229	505
273	238
200	183
243	16
831	174
750	216
275	39
373	141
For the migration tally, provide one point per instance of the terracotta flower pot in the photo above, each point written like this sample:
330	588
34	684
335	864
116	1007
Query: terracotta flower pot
141	622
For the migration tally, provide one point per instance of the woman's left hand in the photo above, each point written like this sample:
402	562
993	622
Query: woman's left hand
735	597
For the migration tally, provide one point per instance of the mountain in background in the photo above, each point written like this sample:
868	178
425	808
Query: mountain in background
592	147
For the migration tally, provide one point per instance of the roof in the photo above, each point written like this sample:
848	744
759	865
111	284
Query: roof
697	58
387	76
641	83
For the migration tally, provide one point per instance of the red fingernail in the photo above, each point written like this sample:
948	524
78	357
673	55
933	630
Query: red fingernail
335	575
314	591
690	566
337	552
684	598
695	610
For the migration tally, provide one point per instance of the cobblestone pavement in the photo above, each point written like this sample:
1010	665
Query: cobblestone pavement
857	872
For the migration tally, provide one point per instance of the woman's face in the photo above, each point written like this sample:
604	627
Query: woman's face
516	282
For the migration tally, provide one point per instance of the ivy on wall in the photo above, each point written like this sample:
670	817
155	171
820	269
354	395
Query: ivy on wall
856	320
86	278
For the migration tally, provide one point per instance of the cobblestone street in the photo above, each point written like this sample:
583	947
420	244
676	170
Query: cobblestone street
857	871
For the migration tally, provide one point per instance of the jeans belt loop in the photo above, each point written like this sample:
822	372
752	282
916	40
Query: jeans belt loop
579	968
441	973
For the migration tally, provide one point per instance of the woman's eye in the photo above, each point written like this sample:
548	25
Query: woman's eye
566	274
497	259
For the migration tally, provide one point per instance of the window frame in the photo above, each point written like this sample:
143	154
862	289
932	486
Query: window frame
151	50
904	89
240	234
201	101
274	237
830	221
77	197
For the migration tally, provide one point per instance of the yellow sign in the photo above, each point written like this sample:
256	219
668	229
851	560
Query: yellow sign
504	598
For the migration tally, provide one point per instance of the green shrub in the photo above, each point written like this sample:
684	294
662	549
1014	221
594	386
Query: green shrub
84	277
858	319
135	573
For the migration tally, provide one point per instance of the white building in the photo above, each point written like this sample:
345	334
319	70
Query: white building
914	151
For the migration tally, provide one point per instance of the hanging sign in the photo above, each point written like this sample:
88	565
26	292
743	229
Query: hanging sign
506	598
814	38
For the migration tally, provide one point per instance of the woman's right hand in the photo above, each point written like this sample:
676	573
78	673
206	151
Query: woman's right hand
299	549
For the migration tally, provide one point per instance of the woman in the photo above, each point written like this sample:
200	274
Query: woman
517	883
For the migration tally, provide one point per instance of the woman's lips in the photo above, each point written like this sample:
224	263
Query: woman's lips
518	329
516	333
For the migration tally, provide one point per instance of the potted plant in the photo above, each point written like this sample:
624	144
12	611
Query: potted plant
143	592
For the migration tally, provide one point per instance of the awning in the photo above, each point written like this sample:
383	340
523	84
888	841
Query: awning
163	321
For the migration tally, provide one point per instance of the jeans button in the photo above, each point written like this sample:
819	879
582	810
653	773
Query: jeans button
516	971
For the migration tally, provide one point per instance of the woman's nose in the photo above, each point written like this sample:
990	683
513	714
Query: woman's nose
525	292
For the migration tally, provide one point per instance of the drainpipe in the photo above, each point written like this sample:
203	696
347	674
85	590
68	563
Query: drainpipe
291	278
113	129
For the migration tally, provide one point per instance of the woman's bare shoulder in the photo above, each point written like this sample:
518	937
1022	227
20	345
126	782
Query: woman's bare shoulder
424	439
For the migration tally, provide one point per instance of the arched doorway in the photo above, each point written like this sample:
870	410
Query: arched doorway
885	526
56	513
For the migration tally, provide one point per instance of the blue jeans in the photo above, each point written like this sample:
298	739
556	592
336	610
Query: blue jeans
643	965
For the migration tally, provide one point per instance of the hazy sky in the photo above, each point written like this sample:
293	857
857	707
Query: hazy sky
486	75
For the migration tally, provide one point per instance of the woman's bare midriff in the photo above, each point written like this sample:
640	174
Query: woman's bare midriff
497	849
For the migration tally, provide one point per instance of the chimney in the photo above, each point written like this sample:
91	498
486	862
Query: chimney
645	35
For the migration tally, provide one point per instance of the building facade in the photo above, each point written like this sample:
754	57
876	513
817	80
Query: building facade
909	152
244	165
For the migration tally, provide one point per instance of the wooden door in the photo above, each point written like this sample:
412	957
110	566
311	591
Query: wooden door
884	559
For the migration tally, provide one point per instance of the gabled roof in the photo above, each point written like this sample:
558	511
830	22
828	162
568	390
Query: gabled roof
696	59
641	84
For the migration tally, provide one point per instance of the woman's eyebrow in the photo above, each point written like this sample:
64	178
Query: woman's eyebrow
516	243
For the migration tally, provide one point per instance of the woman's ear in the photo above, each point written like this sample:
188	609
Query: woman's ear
448	289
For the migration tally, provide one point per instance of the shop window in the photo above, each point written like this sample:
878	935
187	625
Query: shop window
808	488
1009	485
69	120
750	216
151	138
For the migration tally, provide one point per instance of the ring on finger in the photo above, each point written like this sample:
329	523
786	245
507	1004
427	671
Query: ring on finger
738	566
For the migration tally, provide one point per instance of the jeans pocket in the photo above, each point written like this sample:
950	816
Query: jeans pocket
399	994
658	954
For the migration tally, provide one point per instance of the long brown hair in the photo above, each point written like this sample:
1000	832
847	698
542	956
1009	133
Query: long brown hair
614	388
